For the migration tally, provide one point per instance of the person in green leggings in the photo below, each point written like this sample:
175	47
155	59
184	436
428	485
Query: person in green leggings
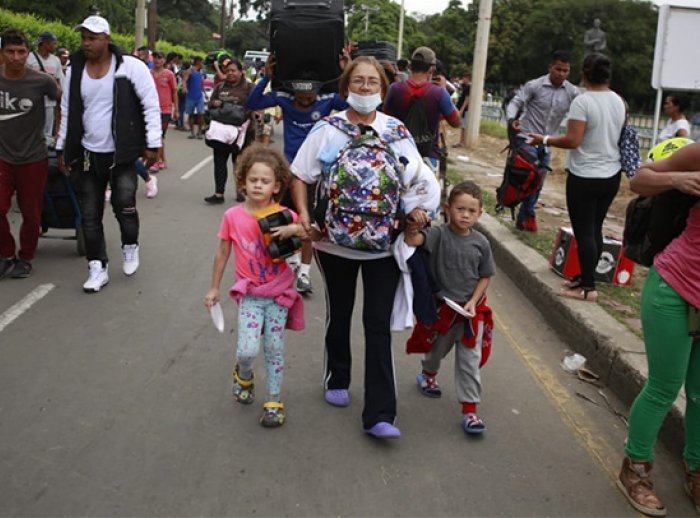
669	300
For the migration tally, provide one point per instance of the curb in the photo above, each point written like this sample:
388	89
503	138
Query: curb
611	350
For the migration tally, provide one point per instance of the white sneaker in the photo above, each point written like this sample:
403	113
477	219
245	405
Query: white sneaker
131	259
152	187
97	279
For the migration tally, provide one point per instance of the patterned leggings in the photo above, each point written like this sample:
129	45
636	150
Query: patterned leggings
256	314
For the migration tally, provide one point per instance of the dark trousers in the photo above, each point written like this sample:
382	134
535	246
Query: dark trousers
220	168
588	200
527	207
29	182
92	185
380	278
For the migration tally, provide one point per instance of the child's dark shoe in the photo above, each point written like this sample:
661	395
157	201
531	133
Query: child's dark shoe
273	414
428	386
473	425
243	390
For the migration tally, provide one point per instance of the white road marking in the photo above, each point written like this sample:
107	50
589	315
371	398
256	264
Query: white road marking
196	168
23	305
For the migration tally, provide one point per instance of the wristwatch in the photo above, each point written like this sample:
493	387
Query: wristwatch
545	140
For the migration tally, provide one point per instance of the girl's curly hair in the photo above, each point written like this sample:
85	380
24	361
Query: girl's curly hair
270	157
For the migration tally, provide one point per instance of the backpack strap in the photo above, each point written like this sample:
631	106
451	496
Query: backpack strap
39	61
345	126
395	134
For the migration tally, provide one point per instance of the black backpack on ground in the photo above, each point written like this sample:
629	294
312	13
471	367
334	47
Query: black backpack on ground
523	175
307	38
652	223
416	121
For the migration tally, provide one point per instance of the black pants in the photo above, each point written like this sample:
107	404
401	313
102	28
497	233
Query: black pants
221	155
588	200
380	278
92	186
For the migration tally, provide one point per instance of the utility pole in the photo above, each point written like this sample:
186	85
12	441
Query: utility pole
140	12
399	46
476	93
152	24
222	30
367	9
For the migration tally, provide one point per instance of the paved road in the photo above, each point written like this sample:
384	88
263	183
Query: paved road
119	403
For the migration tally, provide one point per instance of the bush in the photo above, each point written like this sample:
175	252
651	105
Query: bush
68	38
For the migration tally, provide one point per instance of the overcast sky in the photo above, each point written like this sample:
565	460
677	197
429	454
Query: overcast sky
427	6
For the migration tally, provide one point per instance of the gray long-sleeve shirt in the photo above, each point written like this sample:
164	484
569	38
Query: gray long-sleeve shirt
545	105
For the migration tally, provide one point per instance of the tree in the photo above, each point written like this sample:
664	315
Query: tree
65	10
247	35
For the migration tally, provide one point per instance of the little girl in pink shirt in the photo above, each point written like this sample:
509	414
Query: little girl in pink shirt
264	285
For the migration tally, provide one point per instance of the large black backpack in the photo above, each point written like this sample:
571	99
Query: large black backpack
380	50
416	121
652	223
307	37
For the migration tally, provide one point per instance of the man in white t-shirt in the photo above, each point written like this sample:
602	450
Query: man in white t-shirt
102	82
44	60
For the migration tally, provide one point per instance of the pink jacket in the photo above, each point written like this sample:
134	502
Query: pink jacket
281	289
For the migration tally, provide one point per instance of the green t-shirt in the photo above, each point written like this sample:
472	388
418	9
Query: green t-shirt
22	116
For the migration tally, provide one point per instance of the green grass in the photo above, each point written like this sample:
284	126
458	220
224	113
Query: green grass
493	129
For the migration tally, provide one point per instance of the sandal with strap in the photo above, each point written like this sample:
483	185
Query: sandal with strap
573	283
636	485
586	294
273	414
243	390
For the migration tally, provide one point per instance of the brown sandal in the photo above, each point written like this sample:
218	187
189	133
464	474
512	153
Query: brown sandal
635	484
579	293
692	485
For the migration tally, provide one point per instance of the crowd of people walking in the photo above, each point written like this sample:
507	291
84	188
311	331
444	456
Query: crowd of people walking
356	189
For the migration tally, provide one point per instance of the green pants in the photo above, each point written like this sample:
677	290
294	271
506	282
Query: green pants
673	360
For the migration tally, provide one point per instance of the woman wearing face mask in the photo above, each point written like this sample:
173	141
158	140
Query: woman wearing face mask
364	84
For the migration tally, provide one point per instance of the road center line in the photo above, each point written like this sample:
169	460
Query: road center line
576	419
23	305
196	168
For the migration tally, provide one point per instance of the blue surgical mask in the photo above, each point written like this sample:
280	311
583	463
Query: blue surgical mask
364	103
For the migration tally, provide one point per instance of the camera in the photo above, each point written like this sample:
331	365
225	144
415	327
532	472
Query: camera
273	217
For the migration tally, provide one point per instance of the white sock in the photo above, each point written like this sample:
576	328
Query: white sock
304	269
294	260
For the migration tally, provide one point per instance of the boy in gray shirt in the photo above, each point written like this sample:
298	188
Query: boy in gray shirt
461	263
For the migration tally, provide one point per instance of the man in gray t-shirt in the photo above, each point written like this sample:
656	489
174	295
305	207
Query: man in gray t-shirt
23	155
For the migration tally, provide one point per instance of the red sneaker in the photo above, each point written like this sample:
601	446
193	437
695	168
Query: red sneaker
530	224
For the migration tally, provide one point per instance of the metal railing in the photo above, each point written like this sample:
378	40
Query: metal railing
644	124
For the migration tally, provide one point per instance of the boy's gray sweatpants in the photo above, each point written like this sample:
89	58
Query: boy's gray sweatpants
467	372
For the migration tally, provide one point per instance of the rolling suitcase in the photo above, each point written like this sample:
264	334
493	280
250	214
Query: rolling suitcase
307	36
380	50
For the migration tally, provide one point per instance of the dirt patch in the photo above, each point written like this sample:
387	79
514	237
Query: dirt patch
485	166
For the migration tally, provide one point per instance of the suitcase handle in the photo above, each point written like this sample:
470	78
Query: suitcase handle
290	4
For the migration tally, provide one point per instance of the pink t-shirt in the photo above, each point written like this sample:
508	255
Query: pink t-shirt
252	260
165	85
679	263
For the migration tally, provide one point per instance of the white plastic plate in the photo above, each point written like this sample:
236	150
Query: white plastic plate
459	309
217	316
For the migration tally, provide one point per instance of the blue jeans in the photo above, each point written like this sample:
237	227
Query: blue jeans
527	206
